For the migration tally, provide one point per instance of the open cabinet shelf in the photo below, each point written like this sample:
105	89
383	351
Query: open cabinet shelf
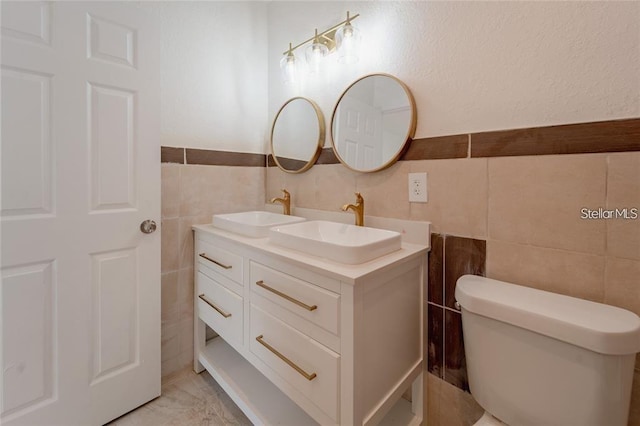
260	400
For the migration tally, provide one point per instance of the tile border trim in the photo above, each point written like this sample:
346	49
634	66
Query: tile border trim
581	138
224	158
437	148
327	156
170	154
621	135
210	157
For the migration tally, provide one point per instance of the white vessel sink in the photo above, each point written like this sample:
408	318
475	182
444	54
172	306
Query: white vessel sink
254	224
342	243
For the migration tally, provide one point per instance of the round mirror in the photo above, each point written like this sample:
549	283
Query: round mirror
372	121
297	135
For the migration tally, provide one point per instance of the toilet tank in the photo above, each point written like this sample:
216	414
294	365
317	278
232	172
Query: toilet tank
540	358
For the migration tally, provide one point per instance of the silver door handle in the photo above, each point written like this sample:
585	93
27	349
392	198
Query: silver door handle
148	226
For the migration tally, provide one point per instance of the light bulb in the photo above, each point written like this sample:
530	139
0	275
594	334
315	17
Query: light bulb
315	53
288	67
348	43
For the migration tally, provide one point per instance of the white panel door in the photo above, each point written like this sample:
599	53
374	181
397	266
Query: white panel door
360	135
80	171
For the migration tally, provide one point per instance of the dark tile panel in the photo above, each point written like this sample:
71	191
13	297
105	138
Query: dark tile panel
455	366
437	148
327	156
603	136
291	164
435	342
169	154
224	158
436	275
461	256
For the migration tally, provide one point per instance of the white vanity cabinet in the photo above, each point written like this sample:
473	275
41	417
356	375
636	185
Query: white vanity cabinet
302	340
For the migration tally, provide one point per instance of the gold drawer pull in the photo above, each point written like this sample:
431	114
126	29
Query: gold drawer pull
287	297
208	302
285	359
222	265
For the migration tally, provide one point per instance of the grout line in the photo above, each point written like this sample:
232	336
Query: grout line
443	307
444	270
444	343
469	145
488	212
606	229
451	309
606	203
444	301
180	192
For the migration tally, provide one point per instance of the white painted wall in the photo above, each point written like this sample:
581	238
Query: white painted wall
475	66
213	74
472	66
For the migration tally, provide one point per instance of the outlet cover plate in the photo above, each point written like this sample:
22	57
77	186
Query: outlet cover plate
418	187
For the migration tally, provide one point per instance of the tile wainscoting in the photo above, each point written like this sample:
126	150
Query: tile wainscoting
525	209
191	193
516	211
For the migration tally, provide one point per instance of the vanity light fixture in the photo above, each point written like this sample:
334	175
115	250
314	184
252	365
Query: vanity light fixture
343	37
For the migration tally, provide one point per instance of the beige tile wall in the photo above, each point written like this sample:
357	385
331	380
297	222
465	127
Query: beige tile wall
447	405
537	201
528	210
190	195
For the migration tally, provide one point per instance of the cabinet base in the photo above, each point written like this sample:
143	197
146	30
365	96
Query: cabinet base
260	400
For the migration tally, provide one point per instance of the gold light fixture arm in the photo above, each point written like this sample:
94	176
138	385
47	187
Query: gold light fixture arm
326	37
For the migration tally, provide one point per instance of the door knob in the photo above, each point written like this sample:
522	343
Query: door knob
148	226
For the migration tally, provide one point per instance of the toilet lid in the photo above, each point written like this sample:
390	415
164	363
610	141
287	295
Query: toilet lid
600	328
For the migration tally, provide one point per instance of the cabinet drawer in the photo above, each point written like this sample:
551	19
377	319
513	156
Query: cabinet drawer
220	308
220	260
304	299
301	361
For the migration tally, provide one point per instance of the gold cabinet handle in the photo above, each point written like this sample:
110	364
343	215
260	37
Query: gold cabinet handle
286	296
208	302
222	265
285	359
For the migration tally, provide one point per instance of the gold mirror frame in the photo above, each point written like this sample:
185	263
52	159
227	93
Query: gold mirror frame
411	131
320	143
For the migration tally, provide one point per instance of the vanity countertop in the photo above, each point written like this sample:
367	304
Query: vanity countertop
352	274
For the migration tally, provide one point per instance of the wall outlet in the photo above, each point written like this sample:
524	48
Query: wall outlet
417	187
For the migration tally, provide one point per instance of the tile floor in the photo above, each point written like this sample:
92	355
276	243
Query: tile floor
187	399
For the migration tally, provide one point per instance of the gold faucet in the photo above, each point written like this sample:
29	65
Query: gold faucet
285	201
358	209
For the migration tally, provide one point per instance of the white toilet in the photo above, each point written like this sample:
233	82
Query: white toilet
536	358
